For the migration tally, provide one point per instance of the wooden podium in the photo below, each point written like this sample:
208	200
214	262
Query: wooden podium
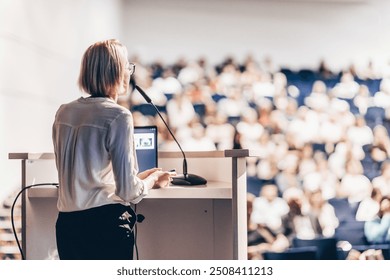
181	223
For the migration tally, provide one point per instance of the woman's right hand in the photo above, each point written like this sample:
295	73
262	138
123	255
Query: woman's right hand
144	174
162	178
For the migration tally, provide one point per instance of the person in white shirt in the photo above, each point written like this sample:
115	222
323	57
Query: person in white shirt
382	182
324	212
354	185
180	111
220	132
198	141
96	162
347	88
268	209
360	133
250	129
369	206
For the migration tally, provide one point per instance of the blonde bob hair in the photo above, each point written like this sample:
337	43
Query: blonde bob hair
102	68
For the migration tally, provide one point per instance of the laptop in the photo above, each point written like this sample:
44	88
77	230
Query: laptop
146	147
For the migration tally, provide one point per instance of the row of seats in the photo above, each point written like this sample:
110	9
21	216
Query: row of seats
304	79
350	231
322	249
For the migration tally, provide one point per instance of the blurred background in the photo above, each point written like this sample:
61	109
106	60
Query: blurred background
306	82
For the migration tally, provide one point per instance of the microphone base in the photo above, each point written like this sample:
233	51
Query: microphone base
188	180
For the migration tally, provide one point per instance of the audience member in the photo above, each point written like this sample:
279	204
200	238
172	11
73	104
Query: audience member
180	111
299	222
269	208
354	185
362	100
347	88
382	182
198	141
318	99
234	105
220	131
382	141
369	206
360	133
321	178
323	212
382	97
288	175
250	129
378	229
260	237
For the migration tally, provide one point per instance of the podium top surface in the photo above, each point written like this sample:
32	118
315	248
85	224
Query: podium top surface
239	153
213	190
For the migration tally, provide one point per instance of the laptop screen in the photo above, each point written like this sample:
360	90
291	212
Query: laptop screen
145	138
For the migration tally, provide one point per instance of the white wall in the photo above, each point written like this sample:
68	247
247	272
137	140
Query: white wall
41	44
294	33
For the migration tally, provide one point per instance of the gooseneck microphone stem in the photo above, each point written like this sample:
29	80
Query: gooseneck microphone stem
147	98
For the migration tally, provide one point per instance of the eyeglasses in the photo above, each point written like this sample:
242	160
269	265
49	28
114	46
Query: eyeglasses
131	68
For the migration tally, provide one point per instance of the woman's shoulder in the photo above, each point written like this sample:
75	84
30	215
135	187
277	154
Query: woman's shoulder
113	109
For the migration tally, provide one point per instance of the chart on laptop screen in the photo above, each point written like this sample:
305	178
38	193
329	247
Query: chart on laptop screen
145	138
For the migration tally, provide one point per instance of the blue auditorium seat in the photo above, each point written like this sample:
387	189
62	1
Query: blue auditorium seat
319	147
302	253
353	232
331	82
217	97
307	75
169	96
290	75
200	109
374	116
254	184
326	247
147	109
345	212
305	88
371	168
234	120
373	85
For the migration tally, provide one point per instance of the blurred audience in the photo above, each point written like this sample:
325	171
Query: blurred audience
321	136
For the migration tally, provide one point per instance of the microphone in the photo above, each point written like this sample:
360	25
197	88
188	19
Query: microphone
185	179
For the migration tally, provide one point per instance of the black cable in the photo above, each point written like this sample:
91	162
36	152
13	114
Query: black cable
135	235
12	212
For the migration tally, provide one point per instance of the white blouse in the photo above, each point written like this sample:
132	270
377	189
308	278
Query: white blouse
95	155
